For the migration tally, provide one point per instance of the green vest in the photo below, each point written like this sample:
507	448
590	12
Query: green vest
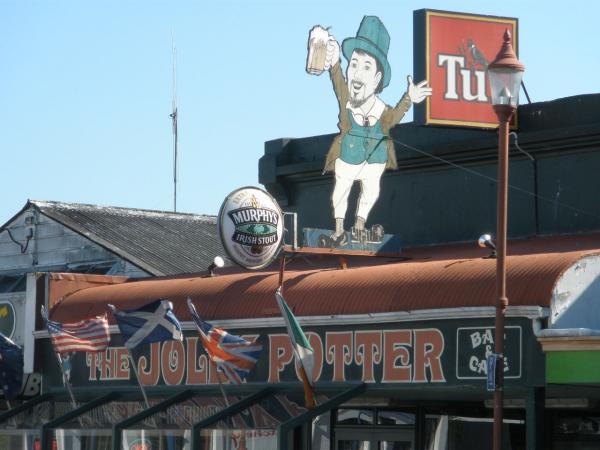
362	144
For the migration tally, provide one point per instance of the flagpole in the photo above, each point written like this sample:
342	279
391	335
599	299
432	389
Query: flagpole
281	271
217	365
193	311
221	388
137	377
66	382
309	398
224	399
133	365
242	429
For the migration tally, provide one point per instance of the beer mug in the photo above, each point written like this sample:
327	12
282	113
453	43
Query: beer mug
317	50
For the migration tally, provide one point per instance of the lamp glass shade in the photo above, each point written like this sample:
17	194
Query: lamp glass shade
505	84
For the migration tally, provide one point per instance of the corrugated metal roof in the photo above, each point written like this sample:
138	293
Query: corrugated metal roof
434	277
159	242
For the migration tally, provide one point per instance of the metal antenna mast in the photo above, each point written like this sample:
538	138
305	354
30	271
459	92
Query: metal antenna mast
173	117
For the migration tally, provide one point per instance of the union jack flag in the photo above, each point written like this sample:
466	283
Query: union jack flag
235	356
89	335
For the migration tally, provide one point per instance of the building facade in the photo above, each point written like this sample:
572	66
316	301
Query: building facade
400	341
49	236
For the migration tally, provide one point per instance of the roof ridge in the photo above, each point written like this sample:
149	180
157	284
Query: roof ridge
52	204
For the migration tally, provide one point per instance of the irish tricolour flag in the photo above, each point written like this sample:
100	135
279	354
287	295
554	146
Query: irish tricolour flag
303	351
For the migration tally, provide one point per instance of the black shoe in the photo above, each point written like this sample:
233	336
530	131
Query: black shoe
339	241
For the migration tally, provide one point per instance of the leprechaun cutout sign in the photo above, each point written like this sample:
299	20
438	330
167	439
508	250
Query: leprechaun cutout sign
363	150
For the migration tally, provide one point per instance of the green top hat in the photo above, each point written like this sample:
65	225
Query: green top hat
372	38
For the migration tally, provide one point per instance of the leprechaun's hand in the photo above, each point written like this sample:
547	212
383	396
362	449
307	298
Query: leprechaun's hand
333	53
418	92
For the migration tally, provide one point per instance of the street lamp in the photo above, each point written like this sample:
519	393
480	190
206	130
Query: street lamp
505	74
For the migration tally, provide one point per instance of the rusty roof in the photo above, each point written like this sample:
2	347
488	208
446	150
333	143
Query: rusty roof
456	276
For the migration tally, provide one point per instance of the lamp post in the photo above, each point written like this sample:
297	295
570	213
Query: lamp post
505	74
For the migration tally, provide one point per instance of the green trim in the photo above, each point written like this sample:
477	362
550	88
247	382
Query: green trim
573	367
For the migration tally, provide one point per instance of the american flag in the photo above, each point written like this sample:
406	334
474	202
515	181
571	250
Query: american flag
235	356
89	335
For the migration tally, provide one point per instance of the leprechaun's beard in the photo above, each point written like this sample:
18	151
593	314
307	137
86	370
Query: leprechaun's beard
358	93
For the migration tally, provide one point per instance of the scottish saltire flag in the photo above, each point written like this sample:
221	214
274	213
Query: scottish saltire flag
154	322
11	367
88	335
235	356
302	348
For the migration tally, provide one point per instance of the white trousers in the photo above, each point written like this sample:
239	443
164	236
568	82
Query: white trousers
345	175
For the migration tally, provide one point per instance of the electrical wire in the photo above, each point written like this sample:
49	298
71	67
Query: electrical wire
21	246
476	173
513	134
494	180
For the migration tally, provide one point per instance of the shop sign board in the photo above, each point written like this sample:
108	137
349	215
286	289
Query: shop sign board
452	51
475	344
423	353
250	223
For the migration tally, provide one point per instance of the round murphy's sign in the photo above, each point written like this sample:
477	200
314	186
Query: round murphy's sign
251	227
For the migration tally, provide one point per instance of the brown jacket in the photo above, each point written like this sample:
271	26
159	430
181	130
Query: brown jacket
389	118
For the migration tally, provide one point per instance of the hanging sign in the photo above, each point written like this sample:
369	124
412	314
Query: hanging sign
452	50
251	226
491	372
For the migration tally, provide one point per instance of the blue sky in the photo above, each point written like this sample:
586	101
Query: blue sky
85	88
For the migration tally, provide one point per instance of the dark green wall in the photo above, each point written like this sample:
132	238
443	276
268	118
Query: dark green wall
429	201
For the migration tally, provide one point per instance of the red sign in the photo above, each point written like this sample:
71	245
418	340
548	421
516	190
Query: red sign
453	56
